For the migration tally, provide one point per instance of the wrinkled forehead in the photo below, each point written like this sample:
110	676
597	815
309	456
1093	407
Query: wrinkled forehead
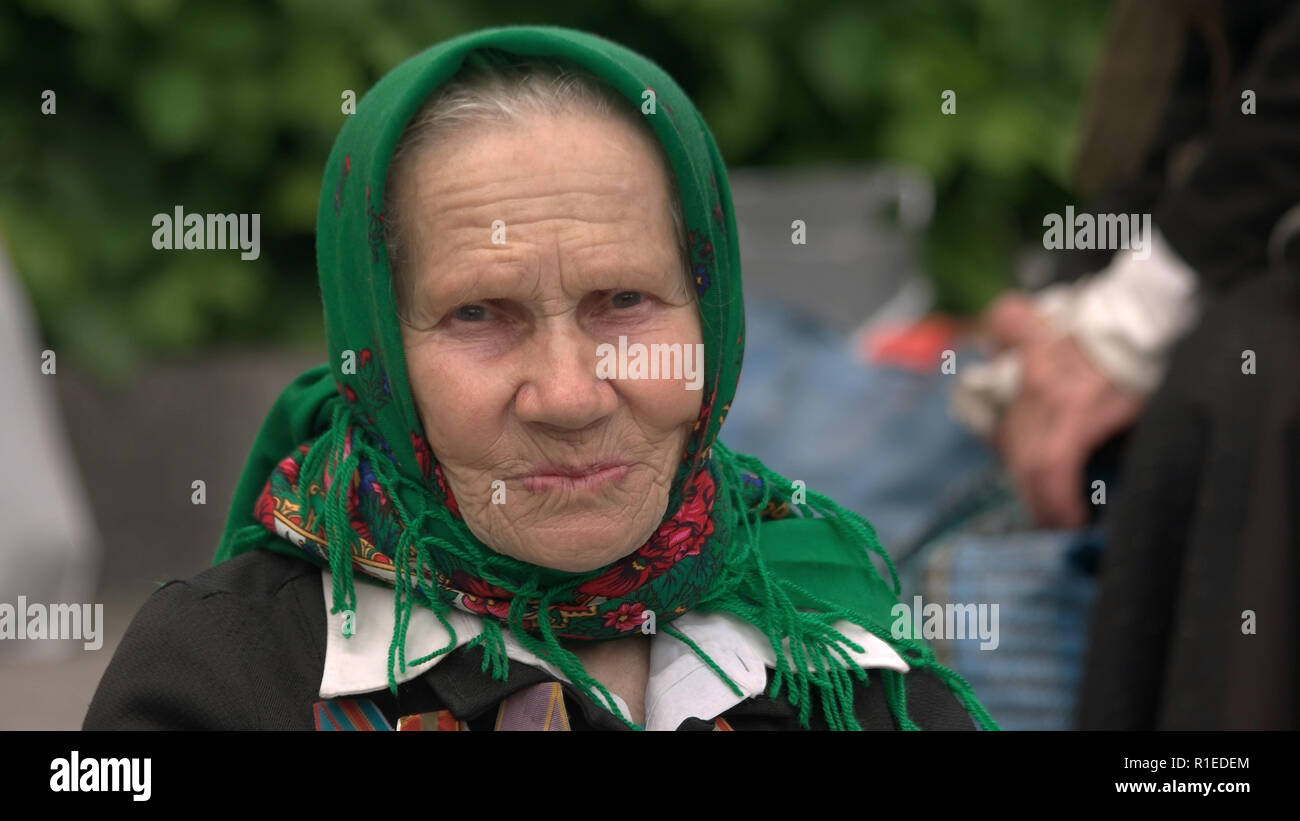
576	195
567	173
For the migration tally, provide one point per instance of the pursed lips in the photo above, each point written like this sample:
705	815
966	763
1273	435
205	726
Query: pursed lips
593	476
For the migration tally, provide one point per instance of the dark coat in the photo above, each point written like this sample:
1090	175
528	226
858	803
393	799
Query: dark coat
242	646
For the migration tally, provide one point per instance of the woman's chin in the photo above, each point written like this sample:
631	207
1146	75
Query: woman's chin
574	543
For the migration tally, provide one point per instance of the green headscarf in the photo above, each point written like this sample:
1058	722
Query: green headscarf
341	475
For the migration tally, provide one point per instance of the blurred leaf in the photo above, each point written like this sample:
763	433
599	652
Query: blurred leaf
841	54
174	106
89	15
232	105
296	196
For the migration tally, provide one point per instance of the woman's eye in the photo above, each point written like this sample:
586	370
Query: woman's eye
627	299
470	313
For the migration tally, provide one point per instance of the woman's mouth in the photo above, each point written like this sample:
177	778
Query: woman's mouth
575	478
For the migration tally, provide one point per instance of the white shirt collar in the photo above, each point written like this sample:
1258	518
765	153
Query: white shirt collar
680	686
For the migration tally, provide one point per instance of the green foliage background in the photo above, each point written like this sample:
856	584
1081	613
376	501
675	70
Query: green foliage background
232	105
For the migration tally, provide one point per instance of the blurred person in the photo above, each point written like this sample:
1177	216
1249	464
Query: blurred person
462	522
1183	578
1073	368
49	549
1217	175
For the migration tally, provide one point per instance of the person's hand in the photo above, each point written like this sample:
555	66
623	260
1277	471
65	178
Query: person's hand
1064	410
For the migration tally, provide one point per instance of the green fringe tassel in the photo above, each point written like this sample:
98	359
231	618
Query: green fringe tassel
810	653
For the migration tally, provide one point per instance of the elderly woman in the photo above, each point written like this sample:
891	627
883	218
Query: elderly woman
491	510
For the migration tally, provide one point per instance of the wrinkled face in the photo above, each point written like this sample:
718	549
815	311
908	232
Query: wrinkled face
532	249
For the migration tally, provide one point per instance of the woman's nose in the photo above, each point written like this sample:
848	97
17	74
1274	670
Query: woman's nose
560	386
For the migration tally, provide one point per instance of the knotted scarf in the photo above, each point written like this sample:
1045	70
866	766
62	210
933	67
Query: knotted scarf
341	475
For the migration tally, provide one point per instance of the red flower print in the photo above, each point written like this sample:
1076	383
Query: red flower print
621	579
481	597
264	510
446	490
684	534
423	455
679	537
288	468
626	617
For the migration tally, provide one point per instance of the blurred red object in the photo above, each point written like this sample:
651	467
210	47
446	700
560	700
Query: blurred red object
915	345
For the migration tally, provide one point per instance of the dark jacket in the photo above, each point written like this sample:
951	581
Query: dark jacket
242	646
1195	626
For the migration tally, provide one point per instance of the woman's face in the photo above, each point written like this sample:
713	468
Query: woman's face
529	246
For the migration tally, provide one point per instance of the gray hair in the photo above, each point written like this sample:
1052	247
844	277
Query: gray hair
488	93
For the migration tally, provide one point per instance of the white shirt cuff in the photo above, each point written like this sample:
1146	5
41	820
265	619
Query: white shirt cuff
1125	318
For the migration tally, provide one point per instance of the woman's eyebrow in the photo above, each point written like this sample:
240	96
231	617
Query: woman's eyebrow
475	279
490	279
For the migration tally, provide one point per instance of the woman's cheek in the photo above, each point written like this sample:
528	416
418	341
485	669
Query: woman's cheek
665	404
462	408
